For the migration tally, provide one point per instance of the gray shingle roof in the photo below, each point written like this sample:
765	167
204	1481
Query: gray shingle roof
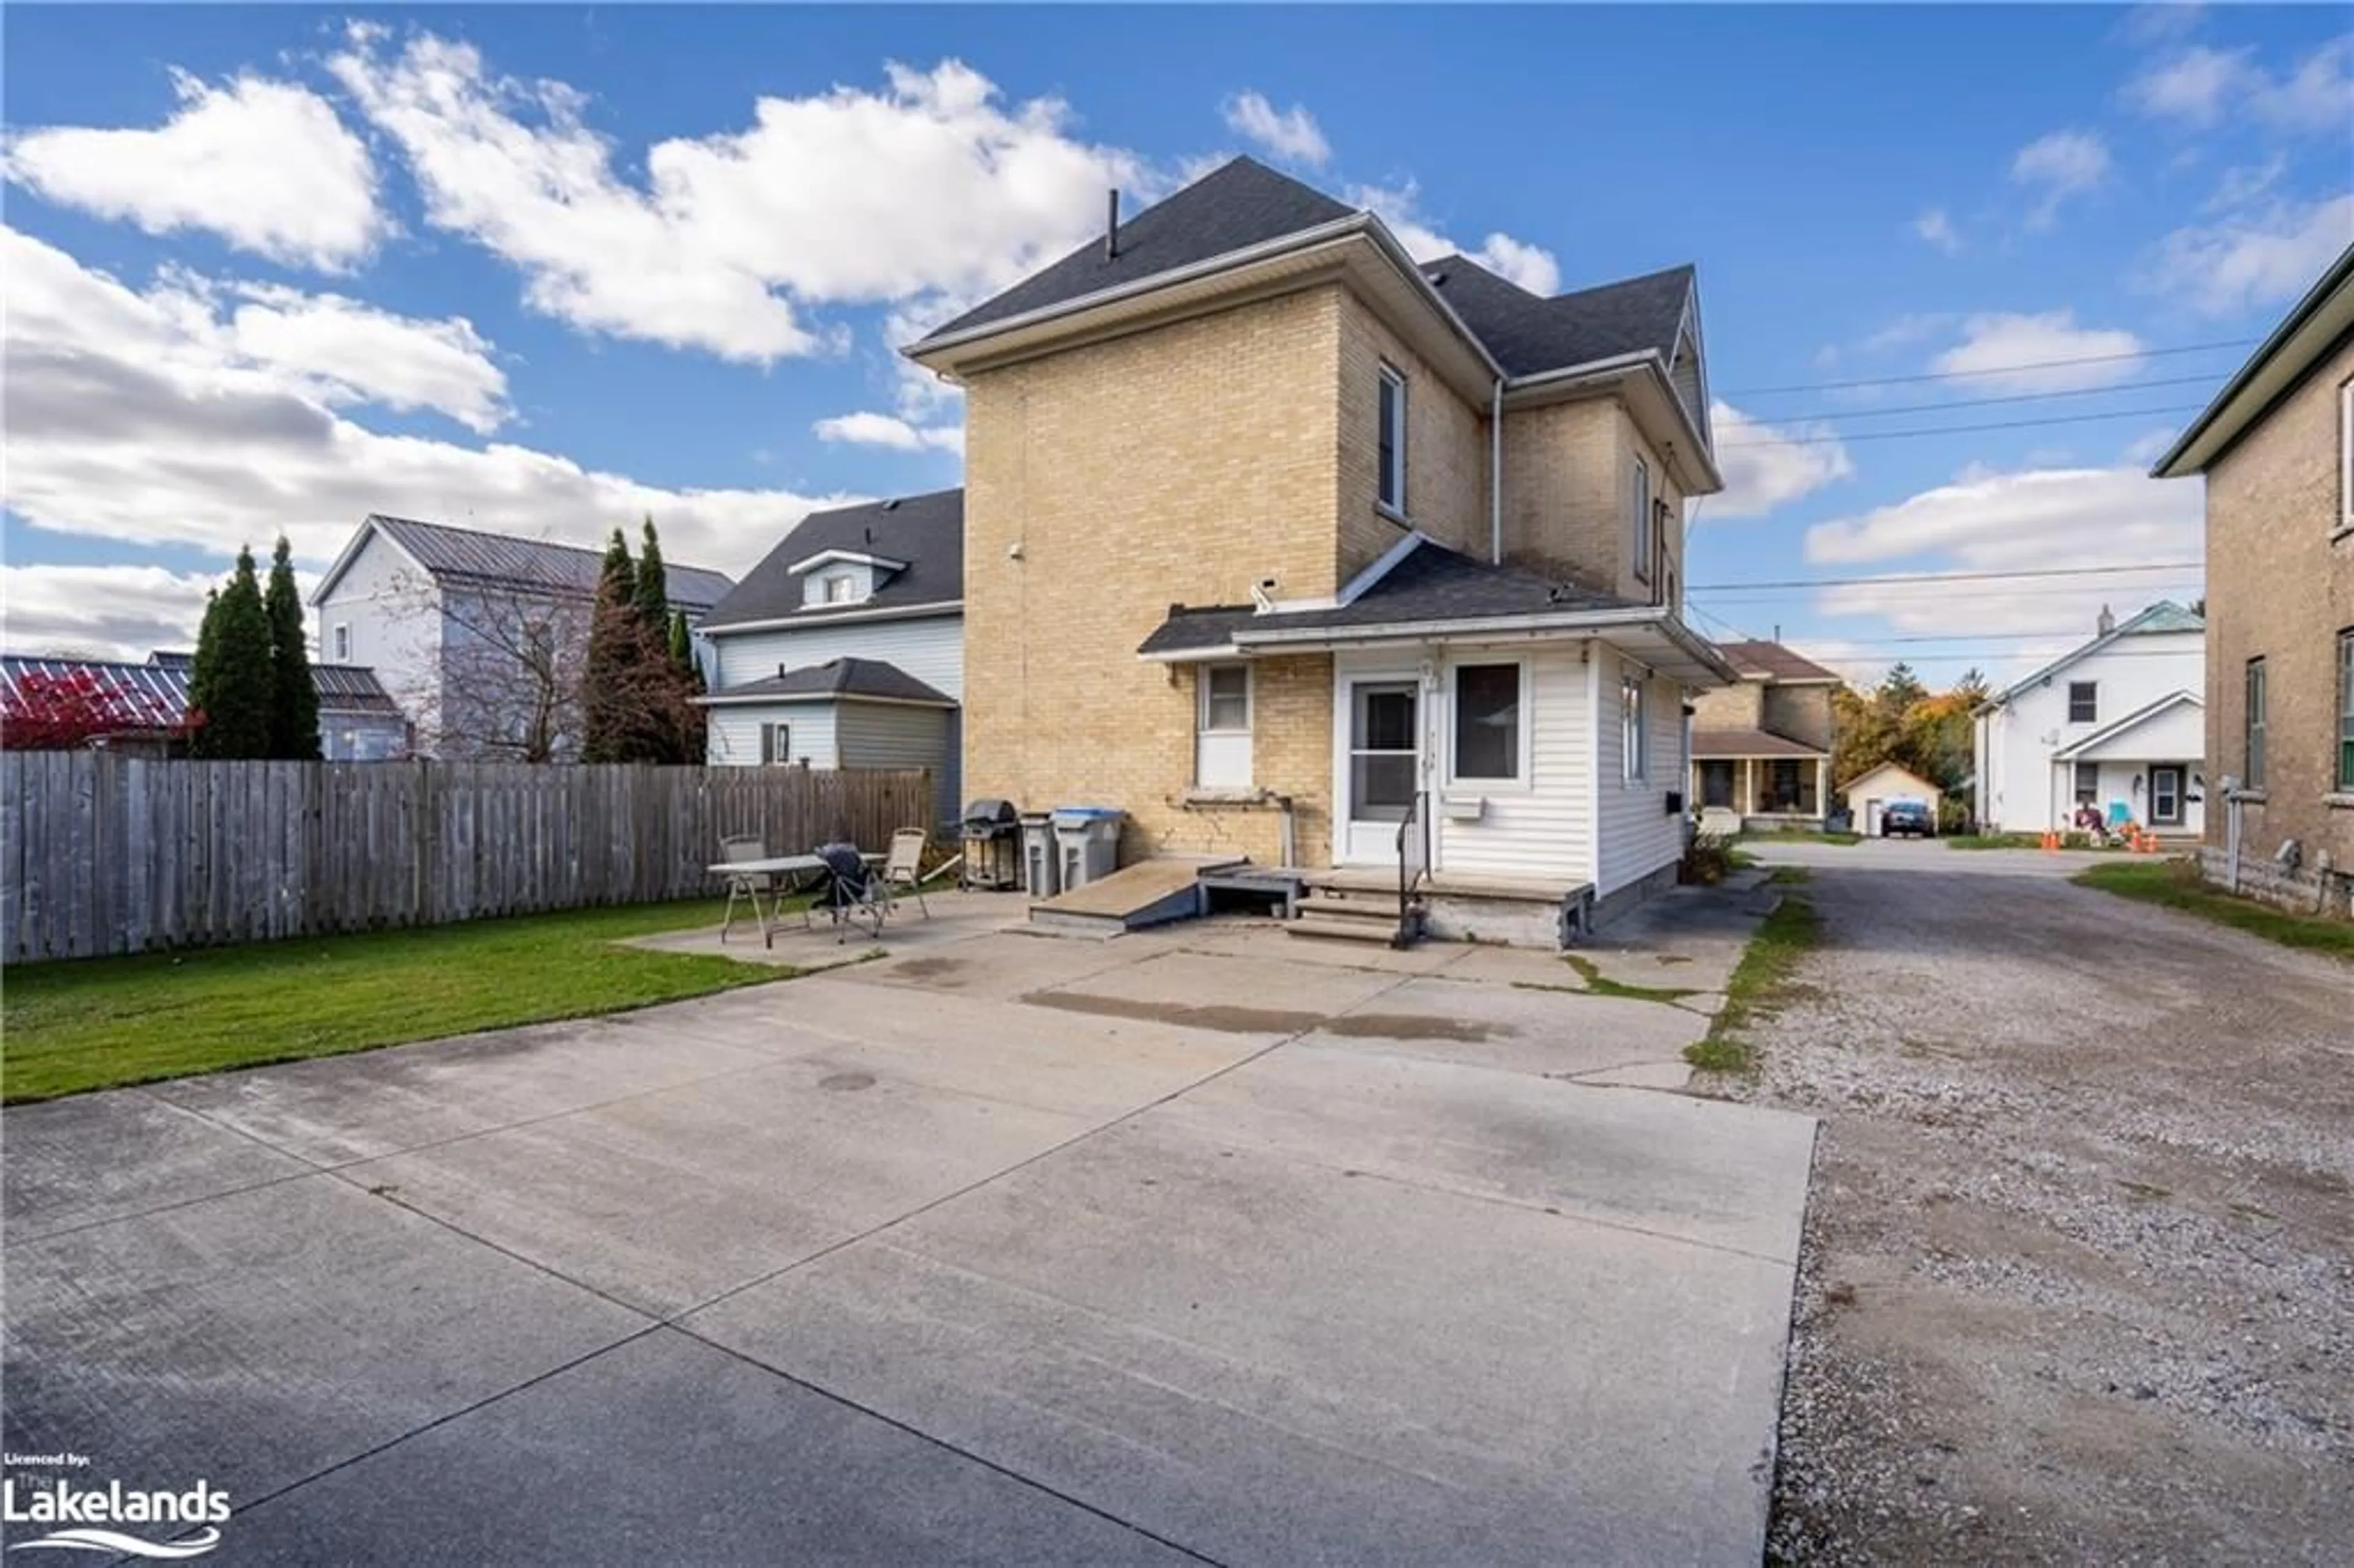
1433	583
1758	656
154	695
924	531
498	561
842	678
1244	203
1528	334
1239	204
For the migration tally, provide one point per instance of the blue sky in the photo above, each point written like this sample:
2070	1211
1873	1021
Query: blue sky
544	269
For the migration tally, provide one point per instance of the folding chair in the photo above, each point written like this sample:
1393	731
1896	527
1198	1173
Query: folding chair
752	885
853	894
903	868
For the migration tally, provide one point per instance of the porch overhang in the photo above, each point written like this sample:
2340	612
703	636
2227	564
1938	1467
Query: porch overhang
1652	637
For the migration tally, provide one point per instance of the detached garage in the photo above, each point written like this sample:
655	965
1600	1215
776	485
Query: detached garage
1864	795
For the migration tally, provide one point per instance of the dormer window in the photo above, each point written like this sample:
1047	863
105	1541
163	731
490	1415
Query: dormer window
838	588
836	579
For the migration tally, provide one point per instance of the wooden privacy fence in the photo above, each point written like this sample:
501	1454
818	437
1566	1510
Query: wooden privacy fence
104	853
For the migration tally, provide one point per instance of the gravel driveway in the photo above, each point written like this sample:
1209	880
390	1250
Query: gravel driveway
2078	1282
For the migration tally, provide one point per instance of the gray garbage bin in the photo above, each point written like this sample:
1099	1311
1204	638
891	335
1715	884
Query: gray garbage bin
1087	842
1042	867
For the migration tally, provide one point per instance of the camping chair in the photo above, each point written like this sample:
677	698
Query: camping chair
903	868
752	885
852	894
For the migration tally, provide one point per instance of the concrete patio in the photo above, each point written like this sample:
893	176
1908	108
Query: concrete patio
1206	1242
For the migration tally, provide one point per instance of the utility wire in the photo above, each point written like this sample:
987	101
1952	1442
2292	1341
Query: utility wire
1986	402
1965	430
1984	371
1948	576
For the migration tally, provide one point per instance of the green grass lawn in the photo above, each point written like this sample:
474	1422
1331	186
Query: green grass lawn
2175	885
1800	836
95	1022
1760	982
2068	841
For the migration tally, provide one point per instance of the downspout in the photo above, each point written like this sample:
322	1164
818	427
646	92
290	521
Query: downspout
1496	477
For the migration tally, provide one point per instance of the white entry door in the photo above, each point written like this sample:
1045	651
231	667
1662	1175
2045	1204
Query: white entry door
1385	765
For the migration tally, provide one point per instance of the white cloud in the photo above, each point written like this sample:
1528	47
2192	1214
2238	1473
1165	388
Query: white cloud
2253	259
331	350
264	165
2244	184
103	611
2060	165
1766	466
1935	228
1517	261
2202	87
2030	520
870	429
931	184
134	417
1992	347
1291	134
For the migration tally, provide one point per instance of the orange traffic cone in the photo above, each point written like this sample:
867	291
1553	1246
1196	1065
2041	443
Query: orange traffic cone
2050	840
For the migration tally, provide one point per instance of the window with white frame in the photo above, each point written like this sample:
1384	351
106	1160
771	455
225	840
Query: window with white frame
1221	751
2346	711
1391	441
1640	546
1634	731
776	743
2346	454
2254	734
1488	725
838	588
343	644
2084	702
2088	783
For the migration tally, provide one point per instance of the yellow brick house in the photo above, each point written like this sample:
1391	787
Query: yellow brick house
1292	547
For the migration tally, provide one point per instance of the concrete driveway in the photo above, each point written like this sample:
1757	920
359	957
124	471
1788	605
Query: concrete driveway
1207	1244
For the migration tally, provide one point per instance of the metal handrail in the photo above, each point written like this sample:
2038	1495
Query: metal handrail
1414	859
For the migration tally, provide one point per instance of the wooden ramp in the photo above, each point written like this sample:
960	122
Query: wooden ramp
1150	892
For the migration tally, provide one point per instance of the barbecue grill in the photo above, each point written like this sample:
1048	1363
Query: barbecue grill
992	845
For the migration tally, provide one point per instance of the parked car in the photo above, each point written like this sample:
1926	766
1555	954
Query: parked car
1907	817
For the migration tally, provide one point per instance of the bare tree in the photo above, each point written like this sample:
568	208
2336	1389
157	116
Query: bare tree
506	684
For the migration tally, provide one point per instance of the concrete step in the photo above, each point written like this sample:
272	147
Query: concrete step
1360	907
1344	930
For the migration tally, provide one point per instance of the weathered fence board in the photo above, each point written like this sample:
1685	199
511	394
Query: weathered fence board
111	854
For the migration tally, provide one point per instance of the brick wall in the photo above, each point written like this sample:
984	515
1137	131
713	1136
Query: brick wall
1738	706
1568	478
2305	891
2279	588
1446	449
1176	466
1802	713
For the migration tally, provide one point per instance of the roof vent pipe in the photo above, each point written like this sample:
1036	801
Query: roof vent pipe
1111	224
2108	623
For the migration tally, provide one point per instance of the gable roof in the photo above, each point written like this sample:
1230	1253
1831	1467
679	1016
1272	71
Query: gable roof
1243	202
1528	334
1239	204
1722	743
2132	721
924	531
872	679
472	559
2165	616
1757	656
1888	766
2313	327
154	695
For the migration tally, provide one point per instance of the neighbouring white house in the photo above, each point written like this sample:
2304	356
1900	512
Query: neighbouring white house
479	636
844	647
2118	724
1868	793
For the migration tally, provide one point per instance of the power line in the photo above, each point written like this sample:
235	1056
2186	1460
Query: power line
1965	430
1984	371
1950	576
1986	402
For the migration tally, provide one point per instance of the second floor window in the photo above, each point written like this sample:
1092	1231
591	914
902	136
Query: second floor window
2346	710
2084	701
1639	547
2254	779
2345	455
1391	441
343	644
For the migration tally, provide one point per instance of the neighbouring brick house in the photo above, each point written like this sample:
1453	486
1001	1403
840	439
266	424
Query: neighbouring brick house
1275	538
1761	747
2276	447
